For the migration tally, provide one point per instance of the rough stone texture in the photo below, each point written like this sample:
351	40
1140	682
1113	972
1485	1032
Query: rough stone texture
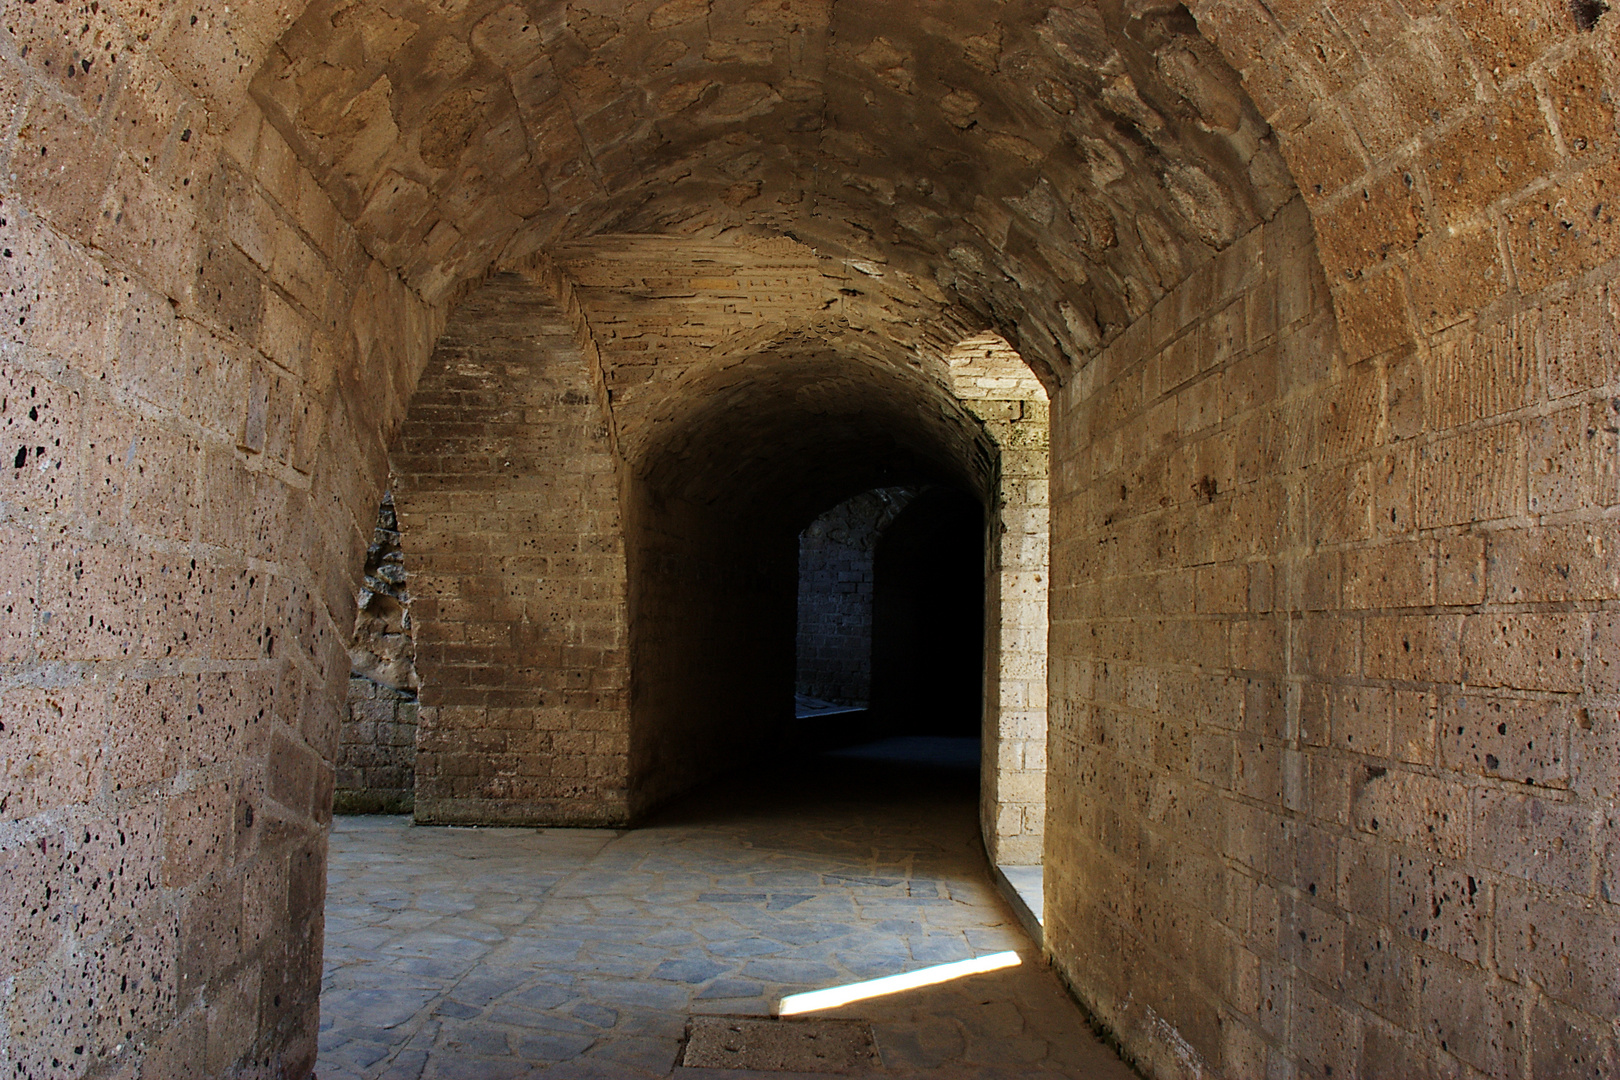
780	1045
994	382
1382	560
376	756
959	153
1319	714
192	476
508	500
834	643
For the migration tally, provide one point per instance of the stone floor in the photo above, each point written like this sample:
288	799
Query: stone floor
569	953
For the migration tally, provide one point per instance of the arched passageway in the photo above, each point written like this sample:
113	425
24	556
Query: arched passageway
724	498
1321	297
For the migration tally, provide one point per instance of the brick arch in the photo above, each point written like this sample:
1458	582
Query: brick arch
717	499
216	349
1383	116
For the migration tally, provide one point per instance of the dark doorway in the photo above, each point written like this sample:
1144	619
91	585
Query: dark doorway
928	618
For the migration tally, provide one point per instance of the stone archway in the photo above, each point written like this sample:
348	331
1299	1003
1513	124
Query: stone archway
234	239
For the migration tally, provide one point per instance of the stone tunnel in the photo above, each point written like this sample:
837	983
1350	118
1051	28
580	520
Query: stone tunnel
1302	660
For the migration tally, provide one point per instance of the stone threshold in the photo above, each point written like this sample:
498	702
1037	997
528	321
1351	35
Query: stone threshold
1021	886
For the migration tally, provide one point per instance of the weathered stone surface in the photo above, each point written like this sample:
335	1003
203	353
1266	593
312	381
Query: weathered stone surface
509	511
230	240
376	753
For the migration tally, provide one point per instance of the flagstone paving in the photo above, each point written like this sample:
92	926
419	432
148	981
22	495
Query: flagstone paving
490	954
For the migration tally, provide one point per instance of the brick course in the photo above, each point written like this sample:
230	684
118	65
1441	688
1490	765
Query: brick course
1322	293
509	513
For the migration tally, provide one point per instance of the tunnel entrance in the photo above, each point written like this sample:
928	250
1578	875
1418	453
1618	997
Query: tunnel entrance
610	645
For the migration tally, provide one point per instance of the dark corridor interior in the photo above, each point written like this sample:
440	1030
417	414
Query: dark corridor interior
928	619
892	618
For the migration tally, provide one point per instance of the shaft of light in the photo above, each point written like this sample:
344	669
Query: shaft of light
834	996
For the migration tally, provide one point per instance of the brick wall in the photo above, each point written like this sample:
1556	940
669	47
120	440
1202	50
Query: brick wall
376	752
185	327
1189	831
995	383
1329	752
508	499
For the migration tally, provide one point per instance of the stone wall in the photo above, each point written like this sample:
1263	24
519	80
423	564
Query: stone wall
1329	756
834	645
376	753
995	383
376	756
508	498
186	323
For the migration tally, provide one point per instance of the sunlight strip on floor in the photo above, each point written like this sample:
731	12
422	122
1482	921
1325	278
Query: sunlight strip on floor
834	996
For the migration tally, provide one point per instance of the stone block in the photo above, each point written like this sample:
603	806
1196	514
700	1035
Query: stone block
1571	1044
1560	461
1561	231
33	890
51	753
1470	478
1533	837
1370	224
1476	374
1378	975
198	833
40	422
1496	152
1456	273
1391	575
1525	651
1461	570
1526	741
1466	1013
91	600
61	166
1550	563
1422	812
1578	341
1361	719
1569	946
1422	648
149	227
1442	906
1373	315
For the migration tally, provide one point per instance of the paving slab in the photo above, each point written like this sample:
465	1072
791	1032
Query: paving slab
571	954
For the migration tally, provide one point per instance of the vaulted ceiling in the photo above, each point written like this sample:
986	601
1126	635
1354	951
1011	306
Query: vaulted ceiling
1044	171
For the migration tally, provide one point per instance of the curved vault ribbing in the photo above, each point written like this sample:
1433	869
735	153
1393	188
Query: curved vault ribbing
1050	171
